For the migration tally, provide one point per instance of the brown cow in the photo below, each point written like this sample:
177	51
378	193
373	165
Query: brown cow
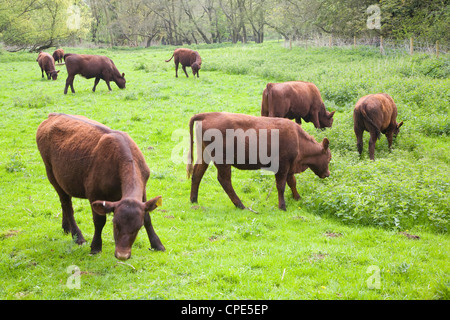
88	160
58	55
47	64
187	58
92	66
292	152
296	100
375	113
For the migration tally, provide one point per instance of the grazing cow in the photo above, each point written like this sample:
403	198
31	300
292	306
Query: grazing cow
92	66
47	65
375	113
296	100
187	58
236	140
58	55
88	160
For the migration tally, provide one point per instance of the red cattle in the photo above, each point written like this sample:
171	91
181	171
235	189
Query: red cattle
243	139
47	65
296	100
58	55
375	113
187	58
85	159
92	66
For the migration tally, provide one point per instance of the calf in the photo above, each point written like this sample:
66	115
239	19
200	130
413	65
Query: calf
237	138
187	58
47	64
296	100
375	113
85	159
58	55
92	66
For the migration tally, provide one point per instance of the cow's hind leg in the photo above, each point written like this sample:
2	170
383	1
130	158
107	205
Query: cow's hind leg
359	139
68	220
97	79
197	175
280	178
372	142
69	82
176	69
224	177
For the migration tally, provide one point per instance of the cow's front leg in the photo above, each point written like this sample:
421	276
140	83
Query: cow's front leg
185	72
107	83
224	177
155	242
390	138
292	183
99	223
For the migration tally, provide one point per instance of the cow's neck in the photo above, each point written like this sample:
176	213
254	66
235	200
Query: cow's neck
131	181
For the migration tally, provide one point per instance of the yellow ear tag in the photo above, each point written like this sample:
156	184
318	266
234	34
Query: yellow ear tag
159	202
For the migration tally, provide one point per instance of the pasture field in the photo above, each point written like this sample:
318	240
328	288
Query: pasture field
372	230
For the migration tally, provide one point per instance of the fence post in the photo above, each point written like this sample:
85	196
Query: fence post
381	46
354	42
411	46
437	49
331	40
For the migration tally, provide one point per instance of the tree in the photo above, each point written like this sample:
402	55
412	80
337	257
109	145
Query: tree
39	24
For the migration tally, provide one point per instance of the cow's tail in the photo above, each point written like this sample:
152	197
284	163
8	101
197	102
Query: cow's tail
266	101
369	120
170	58
190	160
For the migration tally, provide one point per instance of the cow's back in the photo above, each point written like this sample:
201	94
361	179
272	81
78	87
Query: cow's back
290	134
89	66
46	61
378	109
293	97
84	155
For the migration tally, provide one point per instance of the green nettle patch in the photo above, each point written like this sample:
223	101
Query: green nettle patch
371	230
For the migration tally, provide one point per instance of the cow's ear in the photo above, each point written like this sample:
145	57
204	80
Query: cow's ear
332	114
325	143
399	125
103	207
151	205
58	71
123	75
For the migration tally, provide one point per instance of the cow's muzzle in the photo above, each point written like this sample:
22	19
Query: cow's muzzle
122	254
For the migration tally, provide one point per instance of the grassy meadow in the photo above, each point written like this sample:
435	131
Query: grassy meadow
372	230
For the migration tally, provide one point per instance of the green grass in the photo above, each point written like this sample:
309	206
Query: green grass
325	246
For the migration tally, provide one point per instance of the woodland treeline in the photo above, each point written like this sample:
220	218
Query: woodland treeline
38	24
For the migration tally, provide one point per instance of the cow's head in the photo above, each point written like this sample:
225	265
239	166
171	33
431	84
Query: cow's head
196	67
318	161
128	220
397	128
326	119
120	81
53	75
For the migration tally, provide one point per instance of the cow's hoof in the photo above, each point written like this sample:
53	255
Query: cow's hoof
158	248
